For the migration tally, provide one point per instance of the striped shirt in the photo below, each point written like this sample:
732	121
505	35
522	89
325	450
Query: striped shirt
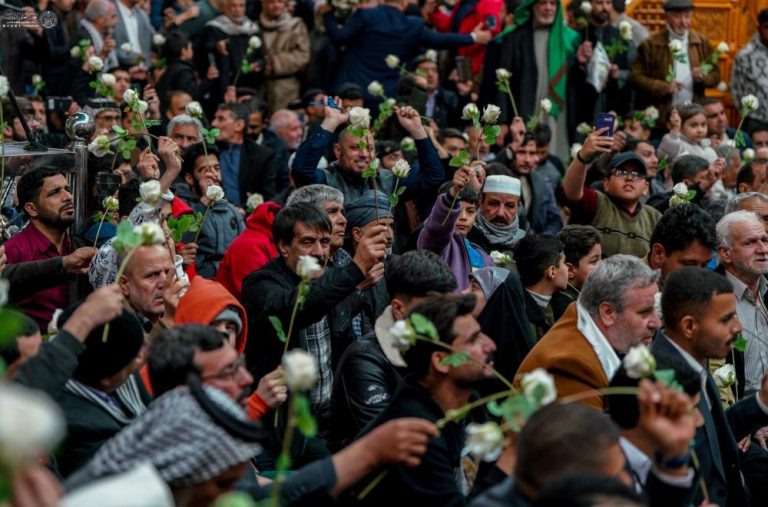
753	316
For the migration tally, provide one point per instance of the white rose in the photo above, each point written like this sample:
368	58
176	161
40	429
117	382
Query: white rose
129	96
401	169
491	114
391	102
539	387
141	106
584	128
375	163
53	325
37	78
723	47
407	144
431	55
651	113
95	64
126	47
485	441
110	203
150	233
254	200
680	190
545	105
639	362
675	46
4	286
75	52
194	109
625	30
150	191
99	146
503	74
30	424
586	7
500	259
214	193
392	61
108	79
722	86
308	267
376	89
725	376
657	305
158	39
299	370
401	335
470	112
254	42
575	149
4	86
748	154
749	103
360	117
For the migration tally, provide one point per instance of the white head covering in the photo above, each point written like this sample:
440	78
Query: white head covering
501	184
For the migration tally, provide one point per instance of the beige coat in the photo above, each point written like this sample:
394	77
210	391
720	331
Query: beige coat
286	44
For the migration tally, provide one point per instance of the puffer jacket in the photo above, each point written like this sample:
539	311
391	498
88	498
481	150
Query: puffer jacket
286	41
220	228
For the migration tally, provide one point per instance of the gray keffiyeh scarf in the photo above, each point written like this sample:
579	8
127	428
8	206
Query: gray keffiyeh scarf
506	236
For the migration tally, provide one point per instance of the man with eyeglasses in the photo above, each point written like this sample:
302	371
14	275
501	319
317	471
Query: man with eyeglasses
625	223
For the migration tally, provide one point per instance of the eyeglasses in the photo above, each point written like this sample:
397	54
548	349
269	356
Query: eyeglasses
624	173
229	372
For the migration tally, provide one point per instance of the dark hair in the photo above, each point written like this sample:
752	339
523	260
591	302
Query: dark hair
707	101
688	111
762	16
587	489
127	194
498	169
534	254
466	195
192	153
687	167
632	144
256	105
577	241
689	291
623	408
170	356
174	43
309	215
450	132
32	182
562	438
758	126
746	173
350	91
442	310
542	134
681	225
417	273
239	111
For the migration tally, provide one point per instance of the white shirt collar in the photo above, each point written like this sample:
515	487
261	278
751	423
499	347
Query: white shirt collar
381	329
599	343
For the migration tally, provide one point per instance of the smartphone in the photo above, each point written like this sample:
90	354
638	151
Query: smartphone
605	120
332	103
60	104
490	22
463	68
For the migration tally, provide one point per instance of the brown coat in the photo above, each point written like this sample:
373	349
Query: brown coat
649	71
570	359
286	44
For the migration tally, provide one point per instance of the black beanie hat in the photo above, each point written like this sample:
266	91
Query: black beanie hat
102	359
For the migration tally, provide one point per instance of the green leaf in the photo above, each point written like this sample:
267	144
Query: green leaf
303	291
740	344
456	359
706	68
690	195
423	326
400	191
502	86
10	325
370	172
667	376
119	130
278	327
305	422
393	200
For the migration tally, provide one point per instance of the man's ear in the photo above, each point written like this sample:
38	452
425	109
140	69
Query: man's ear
607	313
436	360
31	209
658	253
240	126
571	271
724	253
190	180
357	234
282	248
337	150
688	326
398	309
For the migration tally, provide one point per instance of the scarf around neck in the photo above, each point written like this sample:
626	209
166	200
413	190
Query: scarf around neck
507	235
226	25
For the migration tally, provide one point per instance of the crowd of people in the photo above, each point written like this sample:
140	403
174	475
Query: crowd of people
469	252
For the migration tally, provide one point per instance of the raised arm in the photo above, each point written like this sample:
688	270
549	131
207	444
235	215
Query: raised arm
576	174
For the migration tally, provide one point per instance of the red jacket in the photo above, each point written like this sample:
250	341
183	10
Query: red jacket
251	250
476	16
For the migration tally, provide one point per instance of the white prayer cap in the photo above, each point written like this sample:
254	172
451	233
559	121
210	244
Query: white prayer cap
501	184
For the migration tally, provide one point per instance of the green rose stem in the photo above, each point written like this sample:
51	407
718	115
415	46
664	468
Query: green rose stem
736	136
511	98
285	452
98	230
120	272
453	203
296	304
394	193
205	215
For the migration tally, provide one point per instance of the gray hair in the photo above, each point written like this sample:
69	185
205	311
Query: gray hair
611	279
316	195
724	227
735	202
184	119
280	118
729	153
96	9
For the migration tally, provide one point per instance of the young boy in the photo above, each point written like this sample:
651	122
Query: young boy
581	244
543	272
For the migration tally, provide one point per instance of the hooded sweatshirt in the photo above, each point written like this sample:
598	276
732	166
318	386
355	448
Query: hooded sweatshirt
251	250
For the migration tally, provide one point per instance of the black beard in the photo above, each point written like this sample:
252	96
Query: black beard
59	223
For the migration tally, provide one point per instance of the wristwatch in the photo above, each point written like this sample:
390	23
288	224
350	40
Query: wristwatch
580	159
